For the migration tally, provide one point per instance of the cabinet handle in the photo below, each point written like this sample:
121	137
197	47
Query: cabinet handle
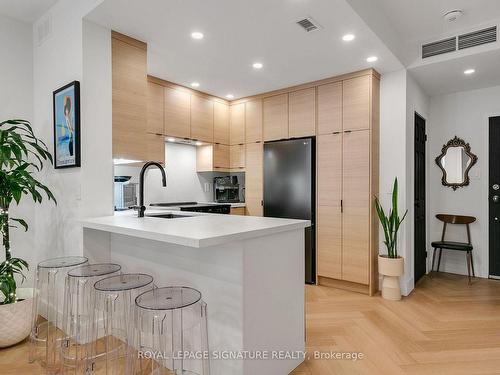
341	206
348	131
334	133
158	134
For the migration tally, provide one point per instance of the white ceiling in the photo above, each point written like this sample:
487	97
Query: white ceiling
239	32
25	10
447	76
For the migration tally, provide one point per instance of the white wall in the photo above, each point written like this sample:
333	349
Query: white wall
400	97
16	98
184	184
58	60
464	114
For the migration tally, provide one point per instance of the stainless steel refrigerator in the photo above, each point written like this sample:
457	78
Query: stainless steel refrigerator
289	189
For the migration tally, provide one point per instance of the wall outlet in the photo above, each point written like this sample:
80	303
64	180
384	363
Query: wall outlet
207	187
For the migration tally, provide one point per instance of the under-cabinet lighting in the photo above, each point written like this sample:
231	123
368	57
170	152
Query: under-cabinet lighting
125	161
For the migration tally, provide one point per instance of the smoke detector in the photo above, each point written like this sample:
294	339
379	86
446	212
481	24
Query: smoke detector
453	15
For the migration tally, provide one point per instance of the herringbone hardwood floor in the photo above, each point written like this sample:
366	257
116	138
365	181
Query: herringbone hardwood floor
444	327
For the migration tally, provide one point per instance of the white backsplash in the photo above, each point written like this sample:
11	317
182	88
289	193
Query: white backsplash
184	184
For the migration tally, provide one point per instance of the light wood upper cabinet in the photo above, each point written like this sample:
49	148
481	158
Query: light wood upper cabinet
275	114
302	113
356	103
254	188
237	124
356	207
155	108
156	148
221	122
330	108
177	113
237	157
253	121
202	119
329	169
130	94
212	158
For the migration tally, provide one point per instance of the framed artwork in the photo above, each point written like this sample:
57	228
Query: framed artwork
67	126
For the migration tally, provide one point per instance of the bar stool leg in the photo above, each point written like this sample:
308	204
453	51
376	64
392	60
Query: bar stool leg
34	320
204	339
53	334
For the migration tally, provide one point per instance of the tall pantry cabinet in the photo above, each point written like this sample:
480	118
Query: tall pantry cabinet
347	170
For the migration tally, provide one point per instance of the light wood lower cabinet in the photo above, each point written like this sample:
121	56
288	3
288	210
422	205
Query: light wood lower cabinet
254	188
237	211
329	242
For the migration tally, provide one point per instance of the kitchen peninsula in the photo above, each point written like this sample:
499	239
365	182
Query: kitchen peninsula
250	271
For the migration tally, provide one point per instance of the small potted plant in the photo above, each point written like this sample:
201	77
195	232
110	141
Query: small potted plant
391	266
21	155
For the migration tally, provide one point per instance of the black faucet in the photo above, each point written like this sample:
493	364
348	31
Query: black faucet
141	208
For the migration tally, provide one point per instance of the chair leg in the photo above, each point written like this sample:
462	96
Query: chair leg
468	265
439	259
472	265
433	259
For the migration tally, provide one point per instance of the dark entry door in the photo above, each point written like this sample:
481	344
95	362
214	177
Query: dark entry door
494	196
419	199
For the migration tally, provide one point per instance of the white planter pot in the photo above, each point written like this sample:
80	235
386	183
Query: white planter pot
391	269
15	319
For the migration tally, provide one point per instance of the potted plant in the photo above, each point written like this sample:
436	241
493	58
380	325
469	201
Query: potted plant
391	266
21	155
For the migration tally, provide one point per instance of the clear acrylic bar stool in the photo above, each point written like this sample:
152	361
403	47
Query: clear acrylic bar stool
78	314
171	333
46	334
113	325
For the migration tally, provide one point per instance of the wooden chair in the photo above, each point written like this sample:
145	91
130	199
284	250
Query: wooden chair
458	246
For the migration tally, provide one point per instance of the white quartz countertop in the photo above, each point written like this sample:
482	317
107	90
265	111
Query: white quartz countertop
195	229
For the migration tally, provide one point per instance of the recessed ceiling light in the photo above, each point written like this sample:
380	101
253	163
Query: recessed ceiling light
229	96
171	139
195	84
257	65
198	143
197	35
372	59
470	71
348	37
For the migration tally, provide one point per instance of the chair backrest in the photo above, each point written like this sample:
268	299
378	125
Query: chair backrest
456	219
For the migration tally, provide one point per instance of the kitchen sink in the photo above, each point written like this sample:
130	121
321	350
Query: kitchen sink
167	216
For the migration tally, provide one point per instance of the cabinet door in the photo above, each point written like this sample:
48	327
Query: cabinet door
221	122
237	157
129	86
329	224
177	113
253	121
329	169
155	108
329	193
330	108
356	206
202	118
221	157
237	124
238	211
254	171
156	147
356	103
275	109
302	112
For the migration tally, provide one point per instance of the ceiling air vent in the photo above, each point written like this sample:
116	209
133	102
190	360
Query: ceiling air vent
477	38
440	47
308	24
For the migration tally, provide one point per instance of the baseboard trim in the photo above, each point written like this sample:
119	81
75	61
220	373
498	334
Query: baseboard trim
344	285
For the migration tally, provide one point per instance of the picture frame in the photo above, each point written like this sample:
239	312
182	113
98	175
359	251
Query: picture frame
66	111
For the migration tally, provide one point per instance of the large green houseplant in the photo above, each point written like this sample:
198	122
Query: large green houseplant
391	266
22	154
